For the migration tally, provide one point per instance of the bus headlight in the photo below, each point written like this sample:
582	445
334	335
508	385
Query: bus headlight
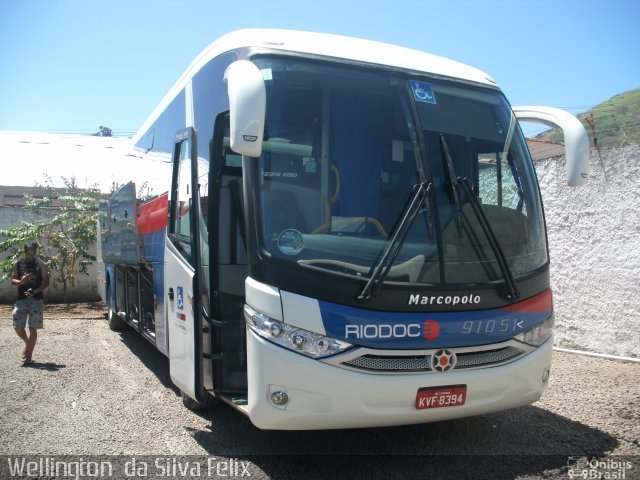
293	338
538	334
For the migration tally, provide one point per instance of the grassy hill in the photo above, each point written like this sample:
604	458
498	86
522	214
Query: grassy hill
617	121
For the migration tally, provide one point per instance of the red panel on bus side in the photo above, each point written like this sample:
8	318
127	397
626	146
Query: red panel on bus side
153	215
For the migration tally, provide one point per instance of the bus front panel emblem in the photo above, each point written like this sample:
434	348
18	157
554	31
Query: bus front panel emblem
444	360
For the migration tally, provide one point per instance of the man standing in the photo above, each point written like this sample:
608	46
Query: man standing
31	276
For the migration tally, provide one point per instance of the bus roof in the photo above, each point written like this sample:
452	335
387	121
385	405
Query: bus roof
325	45
343	47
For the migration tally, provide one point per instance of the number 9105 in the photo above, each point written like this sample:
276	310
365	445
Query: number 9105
504	325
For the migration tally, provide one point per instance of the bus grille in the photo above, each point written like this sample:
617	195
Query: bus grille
382	363
422	363
489	357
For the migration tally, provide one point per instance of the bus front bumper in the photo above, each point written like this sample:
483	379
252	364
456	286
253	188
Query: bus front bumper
323	396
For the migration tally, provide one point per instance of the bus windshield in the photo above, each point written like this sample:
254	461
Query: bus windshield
345	151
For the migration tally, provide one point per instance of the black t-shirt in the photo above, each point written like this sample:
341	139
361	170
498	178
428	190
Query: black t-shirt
34	282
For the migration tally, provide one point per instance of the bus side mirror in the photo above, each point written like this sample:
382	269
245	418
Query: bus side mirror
247	105
576	142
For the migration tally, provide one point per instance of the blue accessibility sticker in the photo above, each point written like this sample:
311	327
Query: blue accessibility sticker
423	92
180	299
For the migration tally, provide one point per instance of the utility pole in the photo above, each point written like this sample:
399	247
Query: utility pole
592	126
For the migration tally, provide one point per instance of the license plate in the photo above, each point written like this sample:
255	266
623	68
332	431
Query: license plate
440	397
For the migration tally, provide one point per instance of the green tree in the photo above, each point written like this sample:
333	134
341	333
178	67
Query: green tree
65	233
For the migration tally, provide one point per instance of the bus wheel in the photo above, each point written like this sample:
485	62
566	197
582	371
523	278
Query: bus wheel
115	322
195	405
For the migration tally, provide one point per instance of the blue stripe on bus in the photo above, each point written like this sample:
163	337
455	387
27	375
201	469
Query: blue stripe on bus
393	330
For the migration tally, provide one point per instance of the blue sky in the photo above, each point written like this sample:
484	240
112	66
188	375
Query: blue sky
68	66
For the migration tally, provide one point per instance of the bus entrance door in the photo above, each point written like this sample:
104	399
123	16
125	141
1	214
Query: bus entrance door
181	279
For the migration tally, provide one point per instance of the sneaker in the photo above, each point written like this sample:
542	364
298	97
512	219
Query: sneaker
26	359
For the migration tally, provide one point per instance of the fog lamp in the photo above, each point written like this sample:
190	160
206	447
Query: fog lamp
545	375
279	398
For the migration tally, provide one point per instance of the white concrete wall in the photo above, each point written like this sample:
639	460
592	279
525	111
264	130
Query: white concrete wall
85	288
594	239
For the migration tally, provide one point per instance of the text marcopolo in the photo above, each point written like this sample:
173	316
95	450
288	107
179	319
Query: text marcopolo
452	300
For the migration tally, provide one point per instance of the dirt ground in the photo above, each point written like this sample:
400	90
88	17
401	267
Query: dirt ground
92	310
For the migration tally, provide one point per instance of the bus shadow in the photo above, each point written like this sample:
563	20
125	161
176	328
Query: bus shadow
527	441
150	357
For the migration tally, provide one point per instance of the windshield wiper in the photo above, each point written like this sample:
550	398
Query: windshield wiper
383	265
453	180
512	290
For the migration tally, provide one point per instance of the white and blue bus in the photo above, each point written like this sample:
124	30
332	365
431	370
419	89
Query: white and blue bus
353	235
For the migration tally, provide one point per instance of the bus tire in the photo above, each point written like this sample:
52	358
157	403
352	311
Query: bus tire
115	322
194	405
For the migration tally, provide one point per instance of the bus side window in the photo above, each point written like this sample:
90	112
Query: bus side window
180	216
